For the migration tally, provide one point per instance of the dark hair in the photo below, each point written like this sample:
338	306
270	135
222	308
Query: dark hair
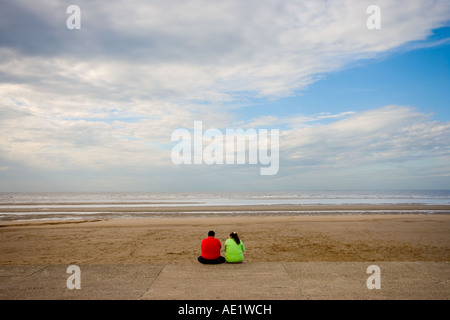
235	236
211	234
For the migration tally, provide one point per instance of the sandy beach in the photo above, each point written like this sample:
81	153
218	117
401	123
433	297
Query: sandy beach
292	256
268	238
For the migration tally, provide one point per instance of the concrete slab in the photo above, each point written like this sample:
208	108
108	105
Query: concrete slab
118	281
247	281
348	280
255	281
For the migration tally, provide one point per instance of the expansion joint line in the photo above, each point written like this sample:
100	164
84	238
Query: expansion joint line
151	284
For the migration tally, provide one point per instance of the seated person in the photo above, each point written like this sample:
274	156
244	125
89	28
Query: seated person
211	250
234	248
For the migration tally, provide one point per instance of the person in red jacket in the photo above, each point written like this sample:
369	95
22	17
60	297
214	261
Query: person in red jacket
211	250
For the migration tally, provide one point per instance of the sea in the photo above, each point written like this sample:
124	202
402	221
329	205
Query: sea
20	206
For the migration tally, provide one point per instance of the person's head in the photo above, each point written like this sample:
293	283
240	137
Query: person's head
235	236
211	234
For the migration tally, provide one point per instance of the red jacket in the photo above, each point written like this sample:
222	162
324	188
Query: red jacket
211	248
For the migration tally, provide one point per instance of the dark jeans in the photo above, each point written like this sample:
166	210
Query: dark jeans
211	261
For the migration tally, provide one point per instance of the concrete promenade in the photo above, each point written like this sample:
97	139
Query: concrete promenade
247	281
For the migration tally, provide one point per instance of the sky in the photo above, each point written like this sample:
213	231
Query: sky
94	108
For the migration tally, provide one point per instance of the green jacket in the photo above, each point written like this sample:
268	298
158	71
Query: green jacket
233	251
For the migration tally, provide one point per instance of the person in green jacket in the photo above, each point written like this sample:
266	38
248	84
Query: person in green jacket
234	249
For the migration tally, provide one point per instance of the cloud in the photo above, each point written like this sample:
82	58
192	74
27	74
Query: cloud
386	135
109	95
135	53
294	120
392	134
206	50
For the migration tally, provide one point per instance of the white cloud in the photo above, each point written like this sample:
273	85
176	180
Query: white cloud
388	134
110	94
293	121
392	134
208	50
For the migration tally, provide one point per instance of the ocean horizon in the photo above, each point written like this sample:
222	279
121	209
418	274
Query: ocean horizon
15	206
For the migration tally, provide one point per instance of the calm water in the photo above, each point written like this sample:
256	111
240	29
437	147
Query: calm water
20	206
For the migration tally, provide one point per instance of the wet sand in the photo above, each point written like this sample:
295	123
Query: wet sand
104	211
